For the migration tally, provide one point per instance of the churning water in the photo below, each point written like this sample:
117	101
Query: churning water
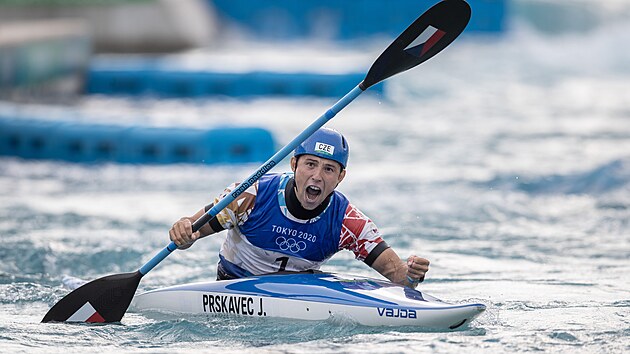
505	161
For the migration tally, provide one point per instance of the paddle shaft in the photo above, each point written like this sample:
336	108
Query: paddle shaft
264	168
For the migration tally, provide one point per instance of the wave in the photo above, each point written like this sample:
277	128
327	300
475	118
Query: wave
610	177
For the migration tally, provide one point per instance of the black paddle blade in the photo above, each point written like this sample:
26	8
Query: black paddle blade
433	31
102	300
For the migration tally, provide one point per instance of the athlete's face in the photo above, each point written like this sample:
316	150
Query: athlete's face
315	179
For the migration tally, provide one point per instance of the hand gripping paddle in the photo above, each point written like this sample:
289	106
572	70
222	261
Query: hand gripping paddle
107	299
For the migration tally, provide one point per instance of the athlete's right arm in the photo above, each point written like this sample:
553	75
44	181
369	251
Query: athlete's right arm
181	232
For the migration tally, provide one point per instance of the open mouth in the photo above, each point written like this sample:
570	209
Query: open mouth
313	192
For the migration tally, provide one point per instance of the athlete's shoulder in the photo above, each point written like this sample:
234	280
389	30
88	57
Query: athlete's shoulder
358	233
354	213
341	197
274	177
357	224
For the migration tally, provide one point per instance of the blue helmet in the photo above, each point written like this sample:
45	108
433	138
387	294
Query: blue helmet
325	143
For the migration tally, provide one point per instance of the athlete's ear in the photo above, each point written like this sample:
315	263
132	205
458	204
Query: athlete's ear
293	163
342	175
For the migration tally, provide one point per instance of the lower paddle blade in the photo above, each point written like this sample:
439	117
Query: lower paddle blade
102	300
433	31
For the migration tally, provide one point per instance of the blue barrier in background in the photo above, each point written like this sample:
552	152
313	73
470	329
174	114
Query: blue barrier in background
84	142
29	139
76	142
116	78
279	20
343	20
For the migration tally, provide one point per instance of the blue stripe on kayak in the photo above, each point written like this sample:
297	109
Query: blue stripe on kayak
310	287
314	287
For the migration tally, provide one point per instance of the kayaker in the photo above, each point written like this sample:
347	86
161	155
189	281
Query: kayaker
297	221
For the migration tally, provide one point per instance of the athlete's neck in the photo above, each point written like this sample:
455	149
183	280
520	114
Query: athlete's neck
296	209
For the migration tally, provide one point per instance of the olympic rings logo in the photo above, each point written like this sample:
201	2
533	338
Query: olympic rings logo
290	244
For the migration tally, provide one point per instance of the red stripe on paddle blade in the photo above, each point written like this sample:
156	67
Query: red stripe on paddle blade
432	41
95	318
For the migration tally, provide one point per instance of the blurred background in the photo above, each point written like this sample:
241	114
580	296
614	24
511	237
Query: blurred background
505	160
64	61
71	54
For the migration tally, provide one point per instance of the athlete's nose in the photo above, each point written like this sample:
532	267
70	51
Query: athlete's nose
318	173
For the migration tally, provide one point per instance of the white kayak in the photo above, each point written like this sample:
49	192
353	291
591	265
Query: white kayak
311	296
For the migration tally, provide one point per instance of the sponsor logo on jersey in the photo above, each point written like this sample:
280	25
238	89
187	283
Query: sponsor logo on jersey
287	231
292	240
290	244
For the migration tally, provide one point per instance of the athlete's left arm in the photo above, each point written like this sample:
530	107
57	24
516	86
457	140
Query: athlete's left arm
408	273
361	236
